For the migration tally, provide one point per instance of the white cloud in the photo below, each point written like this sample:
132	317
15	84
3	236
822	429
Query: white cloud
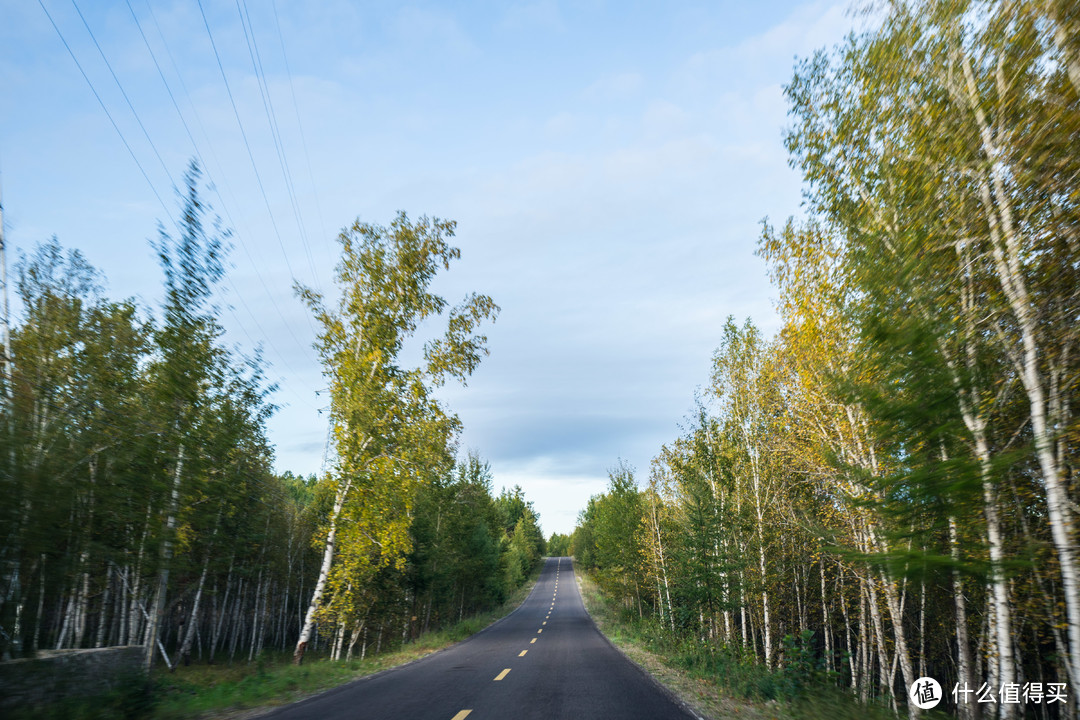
665	119
810	27
533	16
557	497
423	27
562	124
617	86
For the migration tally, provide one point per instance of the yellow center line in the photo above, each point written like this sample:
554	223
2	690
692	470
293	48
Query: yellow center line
544	623
539	631
532	641
522	653
501	675
461	715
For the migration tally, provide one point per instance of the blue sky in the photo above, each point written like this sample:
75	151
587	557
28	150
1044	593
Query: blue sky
608	164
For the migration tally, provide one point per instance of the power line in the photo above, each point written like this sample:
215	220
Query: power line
247	145
122	92
142	170
300	126
202	162
214	186
275	132
103	107
146	134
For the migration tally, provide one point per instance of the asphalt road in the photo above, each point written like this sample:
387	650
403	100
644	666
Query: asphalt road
544	660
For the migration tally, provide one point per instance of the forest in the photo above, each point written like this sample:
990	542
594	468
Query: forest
140	504
885	489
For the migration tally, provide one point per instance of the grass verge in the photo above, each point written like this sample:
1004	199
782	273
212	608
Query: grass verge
245	690
718	685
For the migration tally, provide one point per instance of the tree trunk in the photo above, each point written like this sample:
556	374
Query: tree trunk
324	573
99	636
220	619
352	640
1009	265
166	562
1000	590
879	635
255	617
825	619
965	710
761	566
184	655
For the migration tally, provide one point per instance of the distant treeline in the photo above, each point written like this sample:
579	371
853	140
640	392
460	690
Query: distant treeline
887	489
139	505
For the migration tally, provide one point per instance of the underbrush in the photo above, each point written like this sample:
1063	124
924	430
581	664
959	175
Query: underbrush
726	681
131	697
220	691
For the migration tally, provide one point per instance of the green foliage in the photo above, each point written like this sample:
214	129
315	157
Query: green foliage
885	484
391	436
137	474
558	545
802	668
457	532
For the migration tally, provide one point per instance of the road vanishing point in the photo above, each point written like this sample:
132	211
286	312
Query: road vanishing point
544	660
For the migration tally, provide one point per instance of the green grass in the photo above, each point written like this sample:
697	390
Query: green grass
722	682
233	690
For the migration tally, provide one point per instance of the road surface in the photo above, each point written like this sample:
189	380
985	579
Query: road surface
544	660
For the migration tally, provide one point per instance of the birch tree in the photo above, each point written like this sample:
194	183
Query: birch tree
192	263
386	427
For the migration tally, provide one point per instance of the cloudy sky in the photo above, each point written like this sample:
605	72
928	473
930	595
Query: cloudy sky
608	164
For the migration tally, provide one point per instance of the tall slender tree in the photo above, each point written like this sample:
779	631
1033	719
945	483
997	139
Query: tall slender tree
386	427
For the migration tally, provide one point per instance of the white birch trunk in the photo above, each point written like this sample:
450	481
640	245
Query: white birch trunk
255	617
879	636
761	568
1061	41
1009	266
965	710
166	560
998	584
324	573
896	613
193	619
99	636
825	619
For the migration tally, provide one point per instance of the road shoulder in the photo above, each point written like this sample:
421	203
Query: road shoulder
701	697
